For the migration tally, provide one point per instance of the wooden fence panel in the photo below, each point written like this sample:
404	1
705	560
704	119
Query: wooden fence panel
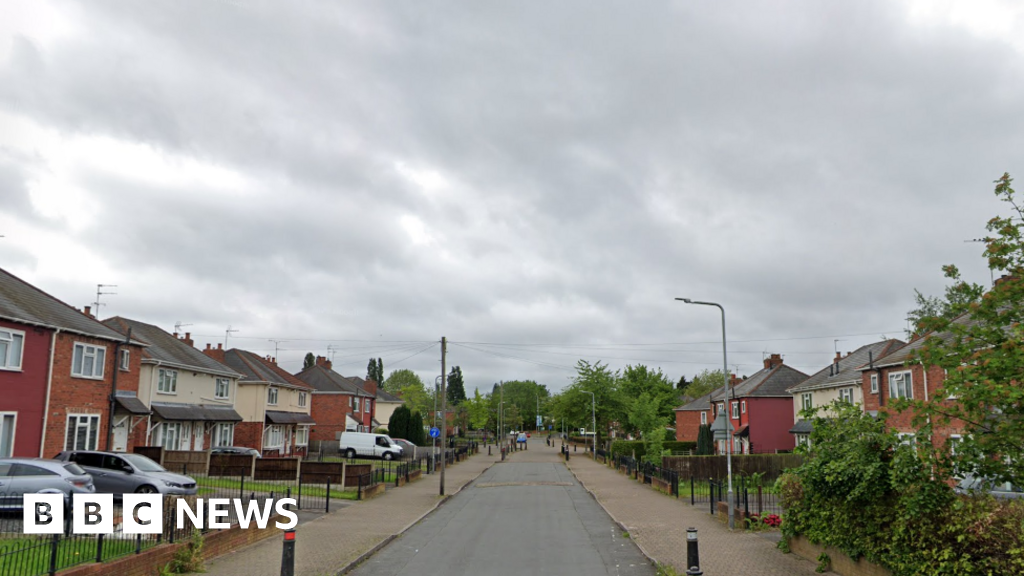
234	465
186	461
154	453
320	472
277	469
354	471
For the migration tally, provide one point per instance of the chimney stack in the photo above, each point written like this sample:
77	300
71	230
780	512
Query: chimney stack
324	362
733	380
772	361
188	339
370	386
88	312
215	353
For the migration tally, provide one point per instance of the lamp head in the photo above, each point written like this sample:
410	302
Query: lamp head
687	300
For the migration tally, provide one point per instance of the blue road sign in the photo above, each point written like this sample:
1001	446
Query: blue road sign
434	432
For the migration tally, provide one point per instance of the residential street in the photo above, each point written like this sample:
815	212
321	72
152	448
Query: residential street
524	516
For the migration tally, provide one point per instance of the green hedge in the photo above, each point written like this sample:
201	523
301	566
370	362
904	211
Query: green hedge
627	447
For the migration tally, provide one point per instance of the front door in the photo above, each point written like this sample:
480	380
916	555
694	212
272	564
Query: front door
121	436
197	433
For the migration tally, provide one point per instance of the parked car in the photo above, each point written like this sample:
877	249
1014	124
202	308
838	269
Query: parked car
408	448
368	445
521	438
998	489
236	450
121	473
20	476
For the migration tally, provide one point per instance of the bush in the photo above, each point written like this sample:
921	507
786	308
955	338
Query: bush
626	447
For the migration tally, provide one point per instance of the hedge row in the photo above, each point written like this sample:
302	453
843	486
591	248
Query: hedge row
627	447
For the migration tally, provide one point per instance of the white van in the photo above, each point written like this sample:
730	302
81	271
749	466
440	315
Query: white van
366	444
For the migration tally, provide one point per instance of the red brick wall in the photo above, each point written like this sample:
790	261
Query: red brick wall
328	411
24	391
72	395
901	421
688	424
249	434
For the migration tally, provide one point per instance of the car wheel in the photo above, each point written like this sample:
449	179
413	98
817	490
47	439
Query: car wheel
351	454
388	456
145	490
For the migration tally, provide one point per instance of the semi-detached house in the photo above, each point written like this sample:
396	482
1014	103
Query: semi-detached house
273	404
64	377
340	403
191	395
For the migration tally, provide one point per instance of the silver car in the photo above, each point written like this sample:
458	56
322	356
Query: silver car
971	484
20	476
121	473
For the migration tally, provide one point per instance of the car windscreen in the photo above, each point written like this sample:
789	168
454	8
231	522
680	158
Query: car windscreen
143	464
74	469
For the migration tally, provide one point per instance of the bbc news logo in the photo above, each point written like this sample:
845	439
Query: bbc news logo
144	513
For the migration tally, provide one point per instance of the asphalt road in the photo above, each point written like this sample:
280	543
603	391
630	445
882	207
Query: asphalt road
517	518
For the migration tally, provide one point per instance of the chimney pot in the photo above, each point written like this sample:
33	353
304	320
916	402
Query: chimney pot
88	311
220	346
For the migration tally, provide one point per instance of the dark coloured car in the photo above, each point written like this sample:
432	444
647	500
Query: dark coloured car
20	476
236	450
408	448
121	473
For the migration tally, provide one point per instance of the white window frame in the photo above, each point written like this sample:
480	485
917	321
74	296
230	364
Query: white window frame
273	437
901	384
355	406
368	406
954	439
10	337
9	442
907	438
703	417
84	351
223	434
167	381
735	410
166	430
272	396
302	399
126	359
227	389
91	435
874	383
743	406
806	401
303	433
846	394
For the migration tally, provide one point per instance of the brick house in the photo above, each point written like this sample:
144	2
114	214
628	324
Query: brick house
273	404
840	380
897	375
385	405
64	376
191	395
690	417
760	410
339	403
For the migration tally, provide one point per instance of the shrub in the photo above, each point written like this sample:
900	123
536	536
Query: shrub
626	447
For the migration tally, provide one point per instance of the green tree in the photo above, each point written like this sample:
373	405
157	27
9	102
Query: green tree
416	433
982	353
398	424
645	416
574	403
309	361
400	379
479	410
525	395
682	384
705	440
375	371
704	383
639	380
455	387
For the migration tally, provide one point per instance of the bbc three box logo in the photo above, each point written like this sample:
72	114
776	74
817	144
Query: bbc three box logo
144	513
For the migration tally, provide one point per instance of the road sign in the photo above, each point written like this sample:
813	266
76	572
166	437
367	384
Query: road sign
434	432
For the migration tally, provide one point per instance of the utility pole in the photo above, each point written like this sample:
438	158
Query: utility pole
444	408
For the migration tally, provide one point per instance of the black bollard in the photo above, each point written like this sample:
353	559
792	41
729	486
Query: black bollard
692	555
488	449
288	554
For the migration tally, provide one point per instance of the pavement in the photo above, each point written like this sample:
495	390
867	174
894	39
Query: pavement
657	523
333	542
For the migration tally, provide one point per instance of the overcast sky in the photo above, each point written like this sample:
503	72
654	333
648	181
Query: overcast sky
535	181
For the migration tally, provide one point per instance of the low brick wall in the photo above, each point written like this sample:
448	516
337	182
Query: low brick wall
661	485
151	560
371	491
624	469
841	563
415	475
400	481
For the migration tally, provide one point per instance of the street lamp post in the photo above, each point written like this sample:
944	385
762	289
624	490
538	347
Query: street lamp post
725	376
593	416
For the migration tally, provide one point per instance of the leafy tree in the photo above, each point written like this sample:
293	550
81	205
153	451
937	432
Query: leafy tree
308	361
417	399
525	395
645	416
682	384
416	433
574	403
959	296
982	353
478	408
400	379
375	371
635	382
704	383
455	387
705	440
398	424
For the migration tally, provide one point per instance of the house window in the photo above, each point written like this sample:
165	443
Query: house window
703	417
874	383
7	420
273	437
803	440
222	389
126	359
807	400
743	406
223	434
901	385
368	405
954	441
272	396
906	438
355	405
302	436
167	381
168	435
11	344
735	410
82	432
846	395
721	408
87	361
302	398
